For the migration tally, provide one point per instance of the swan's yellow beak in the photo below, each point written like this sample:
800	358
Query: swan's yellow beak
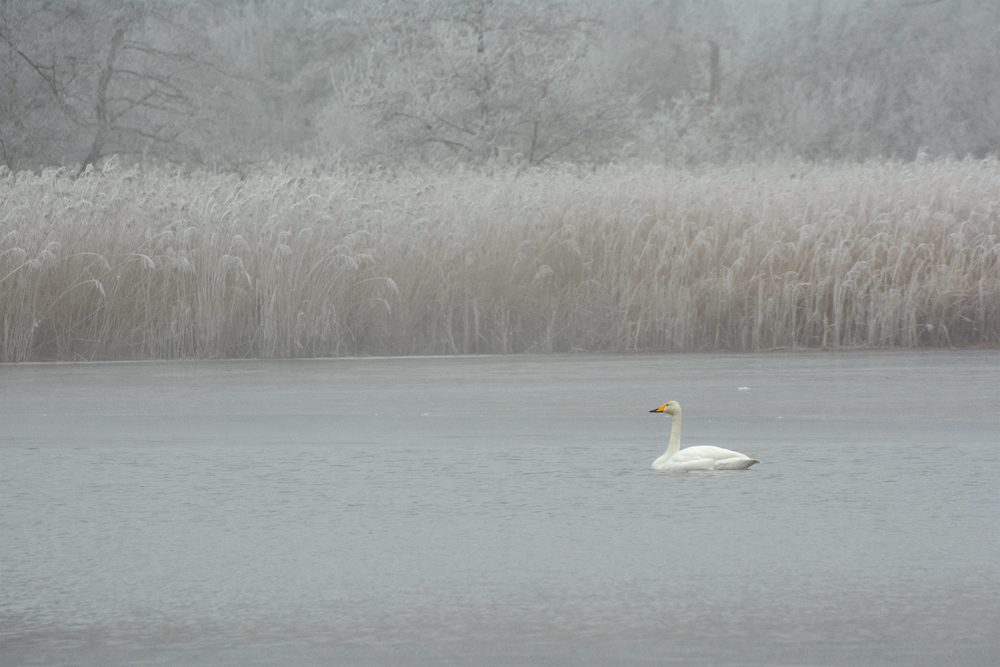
659	409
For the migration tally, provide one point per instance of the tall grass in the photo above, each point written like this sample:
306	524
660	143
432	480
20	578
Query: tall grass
159	263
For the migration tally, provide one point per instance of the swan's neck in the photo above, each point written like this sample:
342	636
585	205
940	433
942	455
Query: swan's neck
675	442
675	437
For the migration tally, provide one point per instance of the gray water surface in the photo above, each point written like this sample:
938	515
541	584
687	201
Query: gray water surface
501	510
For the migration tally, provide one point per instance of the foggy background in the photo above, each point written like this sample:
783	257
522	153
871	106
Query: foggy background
237	83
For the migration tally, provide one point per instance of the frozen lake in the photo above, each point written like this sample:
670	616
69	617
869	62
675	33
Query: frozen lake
501	511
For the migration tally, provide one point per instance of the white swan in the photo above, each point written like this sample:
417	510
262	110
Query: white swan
702	457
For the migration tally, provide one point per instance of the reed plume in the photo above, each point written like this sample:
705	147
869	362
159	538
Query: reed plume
140	263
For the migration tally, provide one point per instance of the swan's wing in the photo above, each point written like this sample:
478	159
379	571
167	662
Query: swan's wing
690	455
686	459
707	457
690	464
706	452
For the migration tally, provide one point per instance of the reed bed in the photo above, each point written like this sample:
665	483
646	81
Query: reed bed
156	263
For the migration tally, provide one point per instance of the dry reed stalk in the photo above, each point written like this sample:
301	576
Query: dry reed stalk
160	263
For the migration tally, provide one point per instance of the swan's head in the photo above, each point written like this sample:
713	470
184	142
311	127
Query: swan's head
671	408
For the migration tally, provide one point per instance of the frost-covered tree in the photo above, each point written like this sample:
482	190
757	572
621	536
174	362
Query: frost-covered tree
109	77
40	69
848	80
194	82
284	52
477	79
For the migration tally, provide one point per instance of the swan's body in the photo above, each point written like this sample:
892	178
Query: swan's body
702	457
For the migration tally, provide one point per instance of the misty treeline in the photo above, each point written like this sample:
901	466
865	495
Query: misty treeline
231	84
